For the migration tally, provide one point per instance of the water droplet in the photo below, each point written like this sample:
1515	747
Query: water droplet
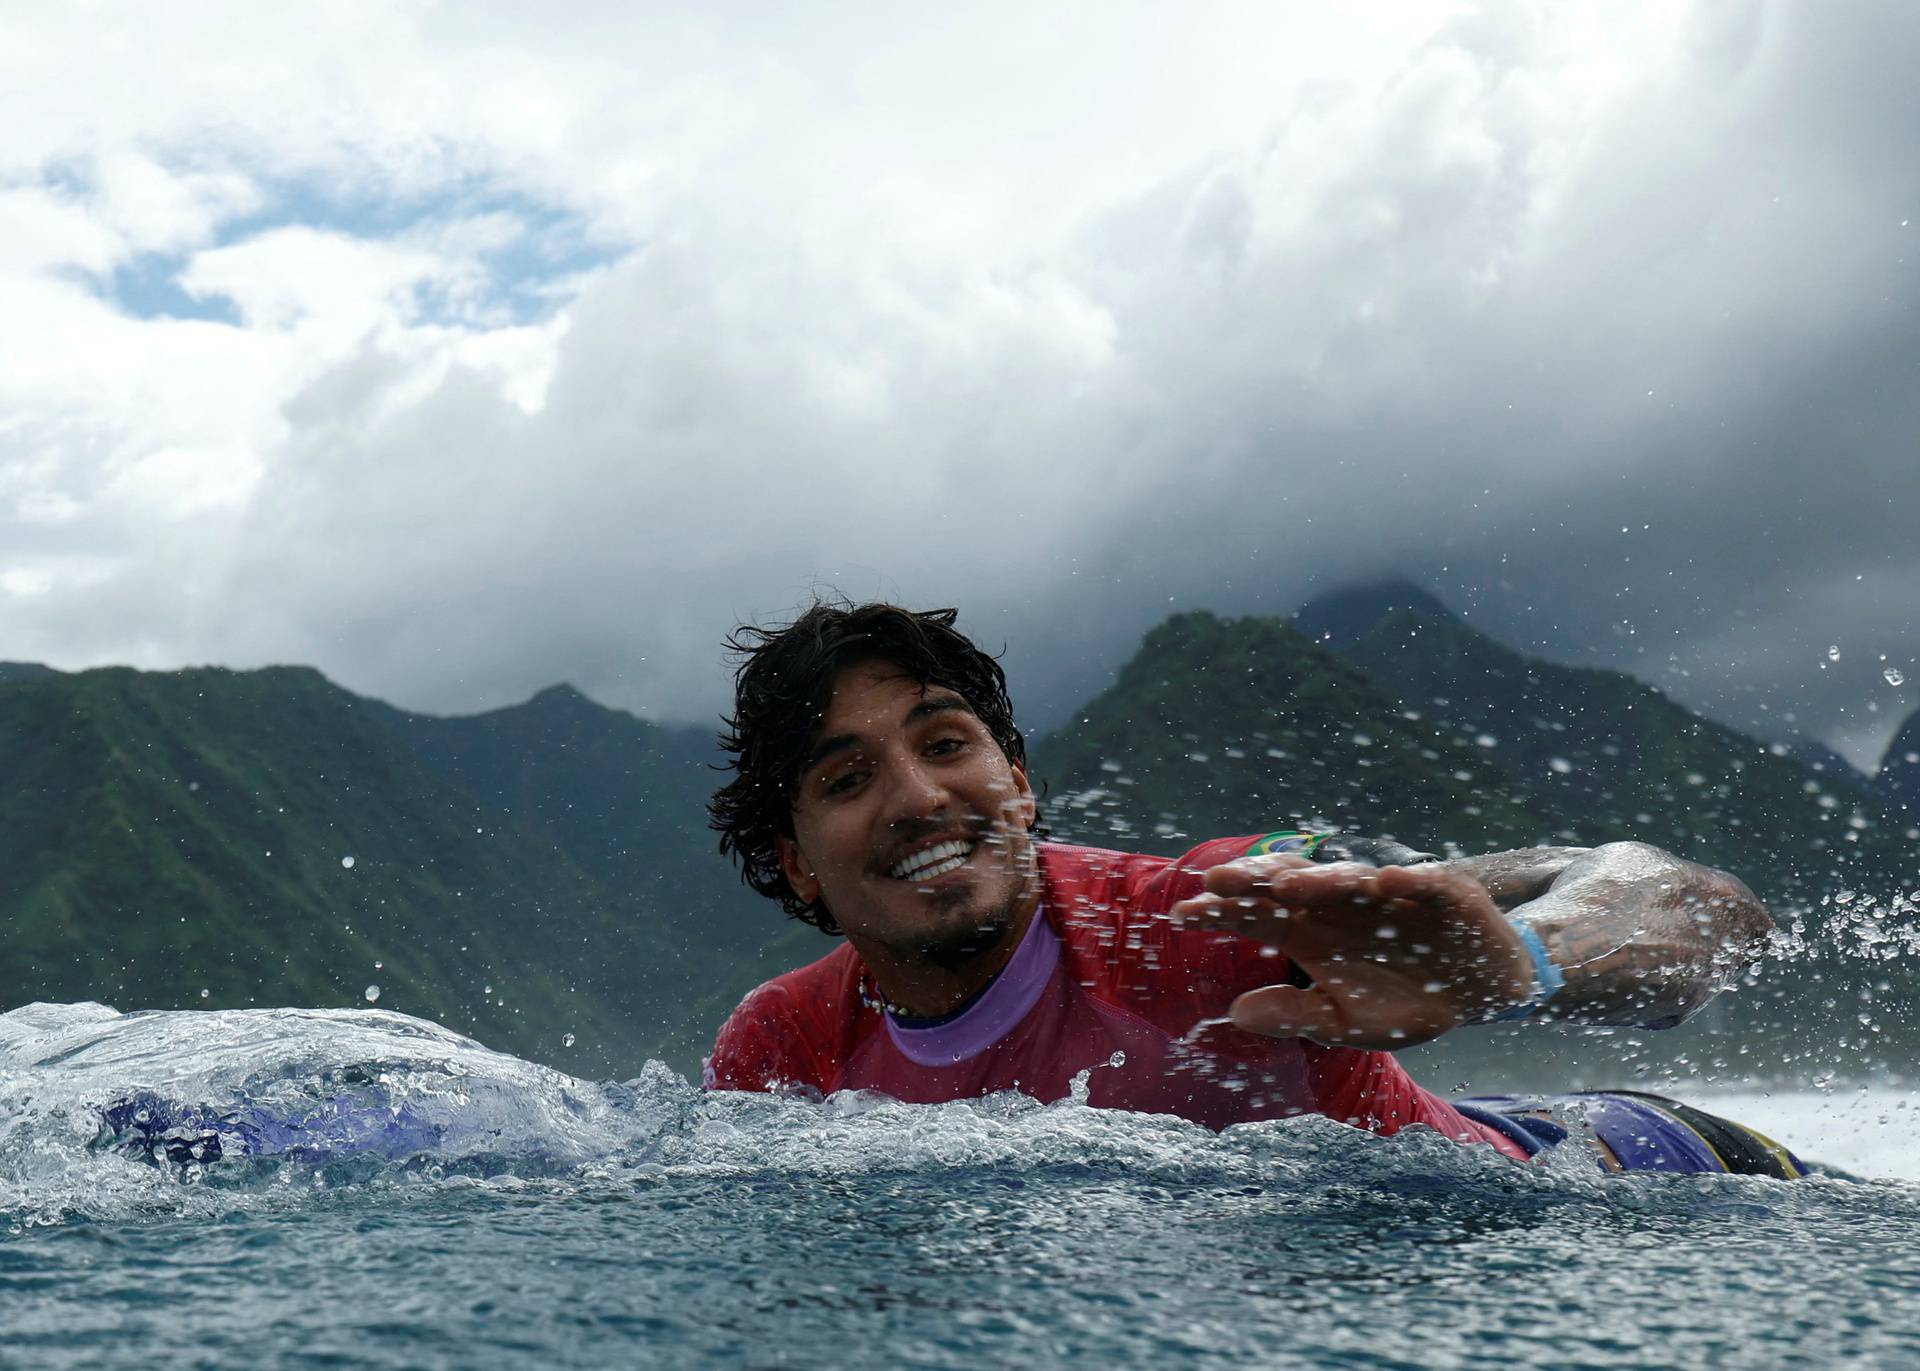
379	966
567	1041
486	990
1560	766
347	862
373	993
205	993
1833	653
1895	676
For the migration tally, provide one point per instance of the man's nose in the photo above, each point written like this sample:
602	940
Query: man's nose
916	792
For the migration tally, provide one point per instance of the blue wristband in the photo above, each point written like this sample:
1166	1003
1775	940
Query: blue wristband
1547	978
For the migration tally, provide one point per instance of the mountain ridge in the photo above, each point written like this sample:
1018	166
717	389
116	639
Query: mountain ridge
210	838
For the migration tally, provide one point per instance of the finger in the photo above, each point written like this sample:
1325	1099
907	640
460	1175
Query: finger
1431	883
1318	884
1250	915
1286	1011
1247	875
1435	890
1305	935
1257	900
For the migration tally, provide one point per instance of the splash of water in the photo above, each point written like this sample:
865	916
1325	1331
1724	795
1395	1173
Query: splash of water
109	1115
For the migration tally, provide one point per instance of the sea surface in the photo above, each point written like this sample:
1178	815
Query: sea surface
360	1189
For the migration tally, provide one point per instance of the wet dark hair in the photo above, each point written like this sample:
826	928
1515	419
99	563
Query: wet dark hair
780	693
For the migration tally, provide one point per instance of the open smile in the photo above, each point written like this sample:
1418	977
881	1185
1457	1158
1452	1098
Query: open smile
934	861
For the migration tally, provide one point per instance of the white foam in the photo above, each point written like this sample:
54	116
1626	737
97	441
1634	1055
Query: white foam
1871	1131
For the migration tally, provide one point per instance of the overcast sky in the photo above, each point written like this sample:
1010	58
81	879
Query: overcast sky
459	349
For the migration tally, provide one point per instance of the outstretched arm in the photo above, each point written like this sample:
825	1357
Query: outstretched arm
1400	955
1642	937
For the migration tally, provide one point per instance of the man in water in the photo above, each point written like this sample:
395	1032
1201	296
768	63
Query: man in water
880	792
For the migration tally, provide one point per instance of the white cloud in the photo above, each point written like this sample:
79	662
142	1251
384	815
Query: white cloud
41	230
1062	315
153	209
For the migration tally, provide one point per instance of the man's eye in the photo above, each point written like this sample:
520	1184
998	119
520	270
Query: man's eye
943	746
843	783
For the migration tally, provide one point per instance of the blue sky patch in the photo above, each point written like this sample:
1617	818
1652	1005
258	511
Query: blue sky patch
521	276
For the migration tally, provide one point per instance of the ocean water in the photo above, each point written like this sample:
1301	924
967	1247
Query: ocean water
361	1189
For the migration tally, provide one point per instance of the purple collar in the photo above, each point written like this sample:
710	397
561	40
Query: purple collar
1008	998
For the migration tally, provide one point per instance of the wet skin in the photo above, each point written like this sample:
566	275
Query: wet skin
898	769
1397	955
1401	955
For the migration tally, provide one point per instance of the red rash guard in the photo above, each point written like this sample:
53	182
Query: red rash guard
1102	983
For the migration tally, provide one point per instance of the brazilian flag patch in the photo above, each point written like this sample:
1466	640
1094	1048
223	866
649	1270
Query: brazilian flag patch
1290	841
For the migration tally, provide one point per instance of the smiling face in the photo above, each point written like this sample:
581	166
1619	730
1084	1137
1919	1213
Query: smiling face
910	824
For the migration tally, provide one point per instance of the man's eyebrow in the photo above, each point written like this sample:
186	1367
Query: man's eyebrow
928	707
826	747
937	704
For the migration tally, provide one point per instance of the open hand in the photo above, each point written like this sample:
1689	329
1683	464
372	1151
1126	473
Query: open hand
1398	955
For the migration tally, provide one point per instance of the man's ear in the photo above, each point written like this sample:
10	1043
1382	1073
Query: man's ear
798	871
1024	807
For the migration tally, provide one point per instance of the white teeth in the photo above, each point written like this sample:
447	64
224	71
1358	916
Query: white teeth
937	860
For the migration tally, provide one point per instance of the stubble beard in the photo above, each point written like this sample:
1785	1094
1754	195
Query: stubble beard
960	948
958	940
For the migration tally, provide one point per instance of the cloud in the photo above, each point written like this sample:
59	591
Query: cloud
556	350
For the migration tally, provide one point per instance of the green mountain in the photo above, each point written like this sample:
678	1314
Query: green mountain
623	798
214	838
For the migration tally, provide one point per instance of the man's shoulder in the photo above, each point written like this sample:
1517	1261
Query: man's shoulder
1111	911
1076	877
788	1030
1106	878
820	984
838	962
